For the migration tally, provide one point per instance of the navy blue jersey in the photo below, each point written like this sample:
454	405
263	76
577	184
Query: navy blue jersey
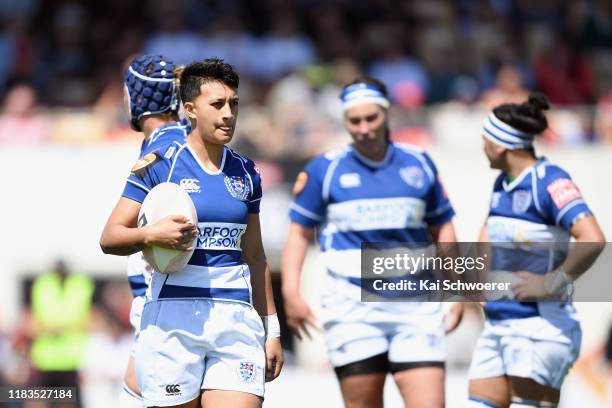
139	272
223	200
165	135
351	200
538	208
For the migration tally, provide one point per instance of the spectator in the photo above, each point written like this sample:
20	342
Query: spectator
564	75
61	302
21	122
508	89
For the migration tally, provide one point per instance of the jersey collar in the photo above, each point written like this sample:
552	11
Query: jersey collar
204	169
512	185
372	163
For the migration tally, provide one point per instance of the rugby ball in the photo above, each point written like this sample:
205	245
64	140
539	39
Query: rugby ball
163	200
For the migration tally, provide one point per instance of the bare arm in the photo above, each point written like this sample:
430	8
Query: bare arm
293	258
121	236
254	256
263	298
590	242
446	238
443	233
298	312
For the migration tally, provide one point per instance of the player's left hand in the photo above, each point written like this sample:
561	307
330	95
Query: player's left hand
274	358
530	287
453	316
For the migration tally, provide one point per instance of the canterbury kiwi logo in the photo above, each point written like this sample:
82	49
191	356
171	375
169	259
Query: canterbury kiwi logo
142	221
173	389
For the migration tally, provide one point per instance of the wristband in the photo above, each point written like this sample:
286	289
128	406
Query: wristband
271	325
557	282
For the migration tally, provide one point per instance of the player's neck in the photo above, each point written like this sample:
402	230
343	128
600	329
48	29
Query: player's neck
209	154
150	123
517	162
377	155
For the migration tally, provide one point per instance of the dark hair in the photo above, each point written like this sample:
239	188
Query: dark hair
209	70
370	81
364	79
527	117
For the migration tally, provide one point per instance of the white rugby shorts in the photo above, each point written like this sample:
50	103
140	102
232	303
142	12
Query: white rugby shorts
407	331
522	348
186	346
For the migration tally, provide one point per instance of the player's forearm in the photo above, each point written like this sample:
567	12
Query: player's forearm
122	240
291	263
261	283
580	258
589	243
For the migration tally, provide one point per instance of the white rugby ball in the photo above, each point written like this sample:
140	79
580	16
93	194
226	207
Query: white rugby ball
163	200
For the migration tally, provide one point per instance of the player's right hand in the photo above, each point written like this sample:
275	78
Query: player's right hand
173	231
299	316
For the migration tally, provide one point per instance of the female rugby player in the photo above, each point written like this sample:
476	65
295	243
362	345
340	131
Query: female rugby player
202	341
370	191
151	96
527	347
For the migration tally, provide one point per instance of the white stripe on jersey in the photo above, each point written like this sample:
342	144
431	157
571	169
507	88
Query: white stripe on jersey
138	185
513	230
567	208
228	277
176	155
305	212
375	214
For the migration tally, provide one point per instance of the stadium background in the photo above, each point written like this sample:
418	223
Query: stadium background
65	147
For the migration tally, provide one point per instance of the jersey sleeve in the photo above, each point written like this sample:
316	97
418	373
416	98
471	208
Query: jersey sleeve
145	175
256	195
561	199
308	206
438	208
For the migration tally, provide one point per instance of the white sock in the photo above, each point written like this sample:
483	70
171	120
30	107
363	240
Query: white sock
129	399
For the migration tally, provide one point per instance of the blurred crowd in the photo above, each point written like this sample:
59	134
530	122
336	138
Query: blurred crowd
73	331
294	55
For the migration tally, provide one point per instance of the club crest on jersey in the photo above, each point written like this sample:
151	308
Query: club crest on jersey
190	185
520	201
246	371
237	187
413	176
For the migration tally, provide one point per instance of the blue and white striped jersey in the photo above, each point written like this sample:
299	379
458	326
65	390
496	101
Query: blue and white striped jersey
139	272
537	208
352	200
223	200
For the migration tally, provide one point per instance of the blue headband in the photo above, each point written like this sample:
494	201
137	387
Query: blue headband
153	92
505	135
361	93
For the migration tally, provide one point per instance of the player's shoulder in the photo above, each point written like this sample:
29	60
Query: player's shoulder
334	154
547	172
409	149
158	160
235	159
167	134
415	155
320	164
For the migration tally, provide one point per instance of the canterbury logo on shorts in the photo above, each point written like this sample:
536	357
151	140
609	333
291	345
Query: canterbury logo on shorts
173	389
219	235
